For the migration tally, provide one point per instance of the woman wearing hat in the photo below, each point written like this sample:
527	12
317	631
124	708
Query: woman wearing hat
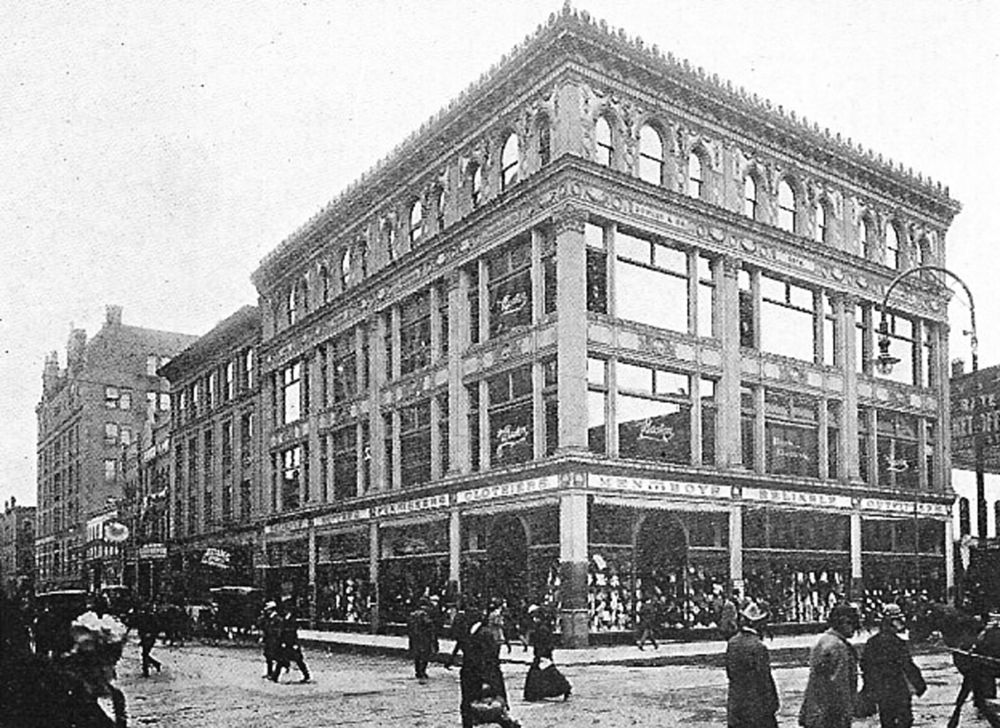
889	672
753	697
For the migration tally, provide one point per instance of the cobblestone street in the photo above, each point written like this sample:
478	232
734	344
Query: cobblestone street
223	686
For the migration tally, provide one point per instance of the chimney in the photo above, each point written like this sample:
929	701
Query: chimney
957	368
113	315
75	350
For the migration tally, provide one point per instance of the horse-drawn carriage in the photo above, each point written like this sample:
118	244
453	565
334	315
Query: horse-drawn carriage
236	610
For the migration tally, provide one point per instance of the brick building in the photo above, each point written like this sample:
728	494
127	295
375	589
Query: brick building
17	549
89	411
215	485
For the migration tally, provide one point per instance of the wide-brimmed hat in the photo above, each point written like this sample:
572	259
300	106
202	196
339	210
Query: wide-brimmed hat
892	611
753	613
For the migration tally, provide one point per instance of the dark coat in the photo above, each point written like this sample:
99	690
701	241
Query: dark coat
480	665
753	697
889	671
422	633
833	683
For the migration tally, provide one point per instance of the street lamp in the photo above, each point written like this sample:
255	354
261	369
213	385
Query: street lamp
884	363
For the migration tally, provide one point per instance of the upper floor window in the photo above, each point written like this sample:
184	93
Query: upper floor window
786	206
416	222
604	151
291	391
509	287
867	237
892	252
389	238
924	250
650	155
964	517
750	197
415	332
696	179
439	205
822	222
345	268
292	305
787	314
477	184
509	162
324	282
544	141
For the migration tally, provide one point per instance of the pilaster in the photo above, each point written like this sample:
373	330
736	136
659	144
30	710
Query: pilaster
573	567
729	453
571	328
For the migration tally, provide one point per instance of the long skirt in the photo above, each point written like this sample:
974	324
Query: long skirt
544	681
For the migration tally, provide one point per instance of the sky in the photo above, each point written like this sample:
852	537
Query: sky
153	152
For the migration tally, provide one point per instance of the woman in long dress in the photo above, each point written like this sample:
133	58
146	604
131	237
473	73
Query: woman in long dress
544	679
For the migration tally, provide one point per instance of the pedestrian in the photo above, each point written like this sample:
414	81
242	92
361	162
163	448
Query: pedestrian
423	637
833	673
484	694
497	622
147	625
269	625
889	672
649	612
544	679
290	651
753	698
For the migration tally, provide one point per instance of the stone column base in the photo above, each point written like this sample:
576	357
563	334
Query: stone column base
575	628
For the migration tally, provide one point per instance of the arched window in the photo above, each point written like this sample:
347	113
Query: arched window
544	140
604	151
439	202
822	224
650	155
892	257
345	269
867	235
304	294
964	519
509	161
696	180
477	184
416	222
324	282
750	197
292	305
786	206
389	238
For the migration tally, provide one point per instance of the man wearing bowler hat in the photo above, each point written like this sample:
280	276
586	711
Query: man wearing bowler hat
753	697
889	672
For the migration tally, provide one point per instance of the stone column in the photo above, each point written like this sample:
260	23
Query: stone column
571	329
377	377
850	467
455	548
729	451
373	565
458	400
857	582
573	566
312	575
568	122
736	582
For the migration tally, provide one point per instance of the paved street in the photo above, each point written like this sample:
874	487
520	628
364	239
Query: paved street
223	686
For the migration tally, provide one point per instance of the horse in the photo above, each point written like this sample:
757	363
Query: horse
975	654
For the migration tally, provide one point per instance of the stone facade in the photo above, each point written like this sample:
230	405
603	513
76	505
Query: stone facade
17	549
603	329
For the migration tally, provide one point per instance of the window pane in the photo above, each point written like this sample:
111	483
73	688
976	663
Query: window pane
596	429
630	246
595	371
634	378
663	302
653	430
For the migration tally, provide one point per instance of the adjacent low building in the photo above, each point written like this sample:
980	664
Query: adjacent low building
17	549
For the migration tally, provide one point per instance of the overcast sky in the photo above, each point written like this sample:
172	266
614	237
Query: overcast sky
151	153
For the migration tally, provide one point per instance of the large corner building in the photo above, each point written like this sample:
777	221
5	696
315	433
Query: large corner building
603	328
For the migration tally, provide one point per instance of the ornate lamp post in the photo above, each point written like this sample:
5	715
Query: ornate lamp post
884	363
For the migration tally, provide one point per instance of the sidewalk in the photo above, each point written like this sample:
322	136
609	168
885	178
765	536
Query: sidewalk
669	653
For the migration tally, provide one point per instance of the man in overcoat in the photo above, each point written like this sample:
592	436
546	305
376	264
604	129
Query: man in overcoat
889	671
753	697
833	673
423	637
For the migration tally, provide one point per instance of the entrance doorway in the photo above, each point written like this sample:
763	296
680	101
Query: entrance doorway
661	565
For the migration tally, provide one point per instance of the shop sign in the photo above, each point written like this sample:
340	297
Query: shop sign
153	551
883	505
288	526
508	490
333	519
215	557
706	491
793	497
429	503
